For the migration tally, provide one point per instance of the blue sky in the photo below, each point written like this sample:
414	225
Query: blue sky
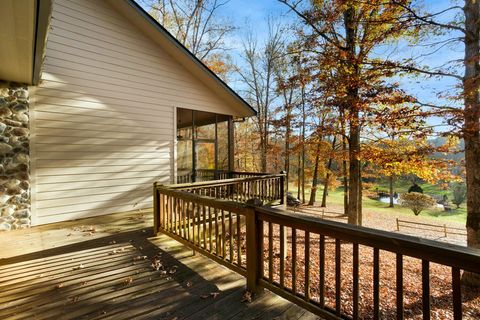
254	14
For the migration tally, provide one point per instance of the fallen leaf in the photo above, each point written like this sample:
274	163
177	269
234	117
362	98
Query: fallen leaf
127	281
247	297
138	258
81	266
73	299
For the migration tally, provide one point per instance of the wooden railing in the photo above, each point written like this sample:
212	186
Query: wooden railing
270	188
322	266
210	175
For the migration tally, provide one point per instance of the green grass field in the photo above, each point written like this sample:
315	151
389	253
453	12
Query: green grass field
436	215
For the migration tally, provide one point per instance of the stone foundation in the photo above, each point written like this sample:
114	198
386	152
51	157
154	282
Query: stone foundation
14	157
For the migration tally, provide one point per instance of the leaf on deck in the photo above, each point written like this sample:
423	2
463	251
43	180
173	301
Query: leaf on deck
127	281
247	297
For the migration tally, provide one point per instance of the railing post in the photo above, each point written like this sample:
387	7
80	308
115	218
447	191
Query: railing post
283	188
156	210
254	251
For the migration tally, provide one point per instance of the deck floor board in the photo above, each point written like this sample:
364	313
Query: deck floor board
94	269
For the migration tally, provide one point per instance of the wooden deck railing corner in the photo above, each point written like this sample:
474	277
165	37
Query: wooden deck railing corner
214	219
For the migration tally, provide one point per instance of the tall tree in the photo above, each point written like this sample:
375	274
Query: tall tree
352	30
471	127
197	25
258	76
464	30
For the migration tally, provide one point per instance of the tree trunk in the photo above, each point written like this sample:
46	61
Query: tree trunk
313	192
354	172
299	176
304	118
354	182
471	130
327	178
263	154
344	164
287	149
390	182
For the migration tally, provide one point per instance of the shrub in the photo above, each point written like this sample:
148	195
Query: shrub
459	194
415	188
416	201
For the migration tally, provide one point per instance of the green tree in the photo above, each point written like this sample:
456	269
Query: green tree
459	191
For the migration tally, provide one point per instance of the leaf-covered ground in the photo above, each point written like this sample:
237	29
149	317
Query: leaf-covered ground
440	280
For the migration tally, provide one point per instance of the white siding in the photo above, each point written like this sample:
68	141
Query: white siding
104	114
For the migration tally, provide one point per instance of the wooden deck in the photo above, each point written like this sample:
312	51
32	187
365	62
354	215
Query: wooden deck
101	268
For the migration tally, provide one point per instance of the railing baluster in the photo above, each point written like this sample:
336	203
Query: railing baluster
338	270
307	266
204	214
355	281
223	235
230	231
282	258
426	289
216	231
178	212
193	222
187	213
239	248
457	294
270	252
376	284
199	224
175	218
399	265
294	261
322	271
210	237
168	212
162	212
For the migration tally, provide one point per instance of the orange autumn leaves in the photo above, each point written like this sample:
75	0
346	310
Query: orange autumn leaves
406	156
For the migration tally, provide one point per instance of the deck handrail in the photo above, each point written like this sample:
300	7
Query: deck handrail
242	238
200	184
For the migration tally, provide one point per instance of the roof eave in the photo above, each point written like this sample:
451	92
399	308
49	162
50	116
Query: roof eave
250	111
42	23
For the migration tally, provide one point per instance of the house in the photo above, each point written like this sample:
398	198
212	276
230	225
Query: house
98	101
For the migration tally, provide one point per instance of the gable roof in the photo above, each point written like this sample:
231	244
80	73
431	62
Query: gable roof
24	36
182	54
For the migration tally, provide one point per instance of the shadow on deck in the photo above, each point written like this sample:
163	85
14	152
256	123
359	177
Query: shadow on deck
101	268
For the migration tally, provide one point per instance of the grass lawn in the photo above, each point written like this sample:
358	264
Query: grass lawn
435	215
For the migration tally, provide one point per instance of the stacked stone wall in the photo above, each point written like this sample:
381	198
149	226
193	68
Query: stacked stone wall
14	157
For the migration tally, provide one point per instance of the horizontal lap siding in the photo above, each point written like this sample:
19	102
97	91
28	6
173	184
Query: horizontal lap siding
104	114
